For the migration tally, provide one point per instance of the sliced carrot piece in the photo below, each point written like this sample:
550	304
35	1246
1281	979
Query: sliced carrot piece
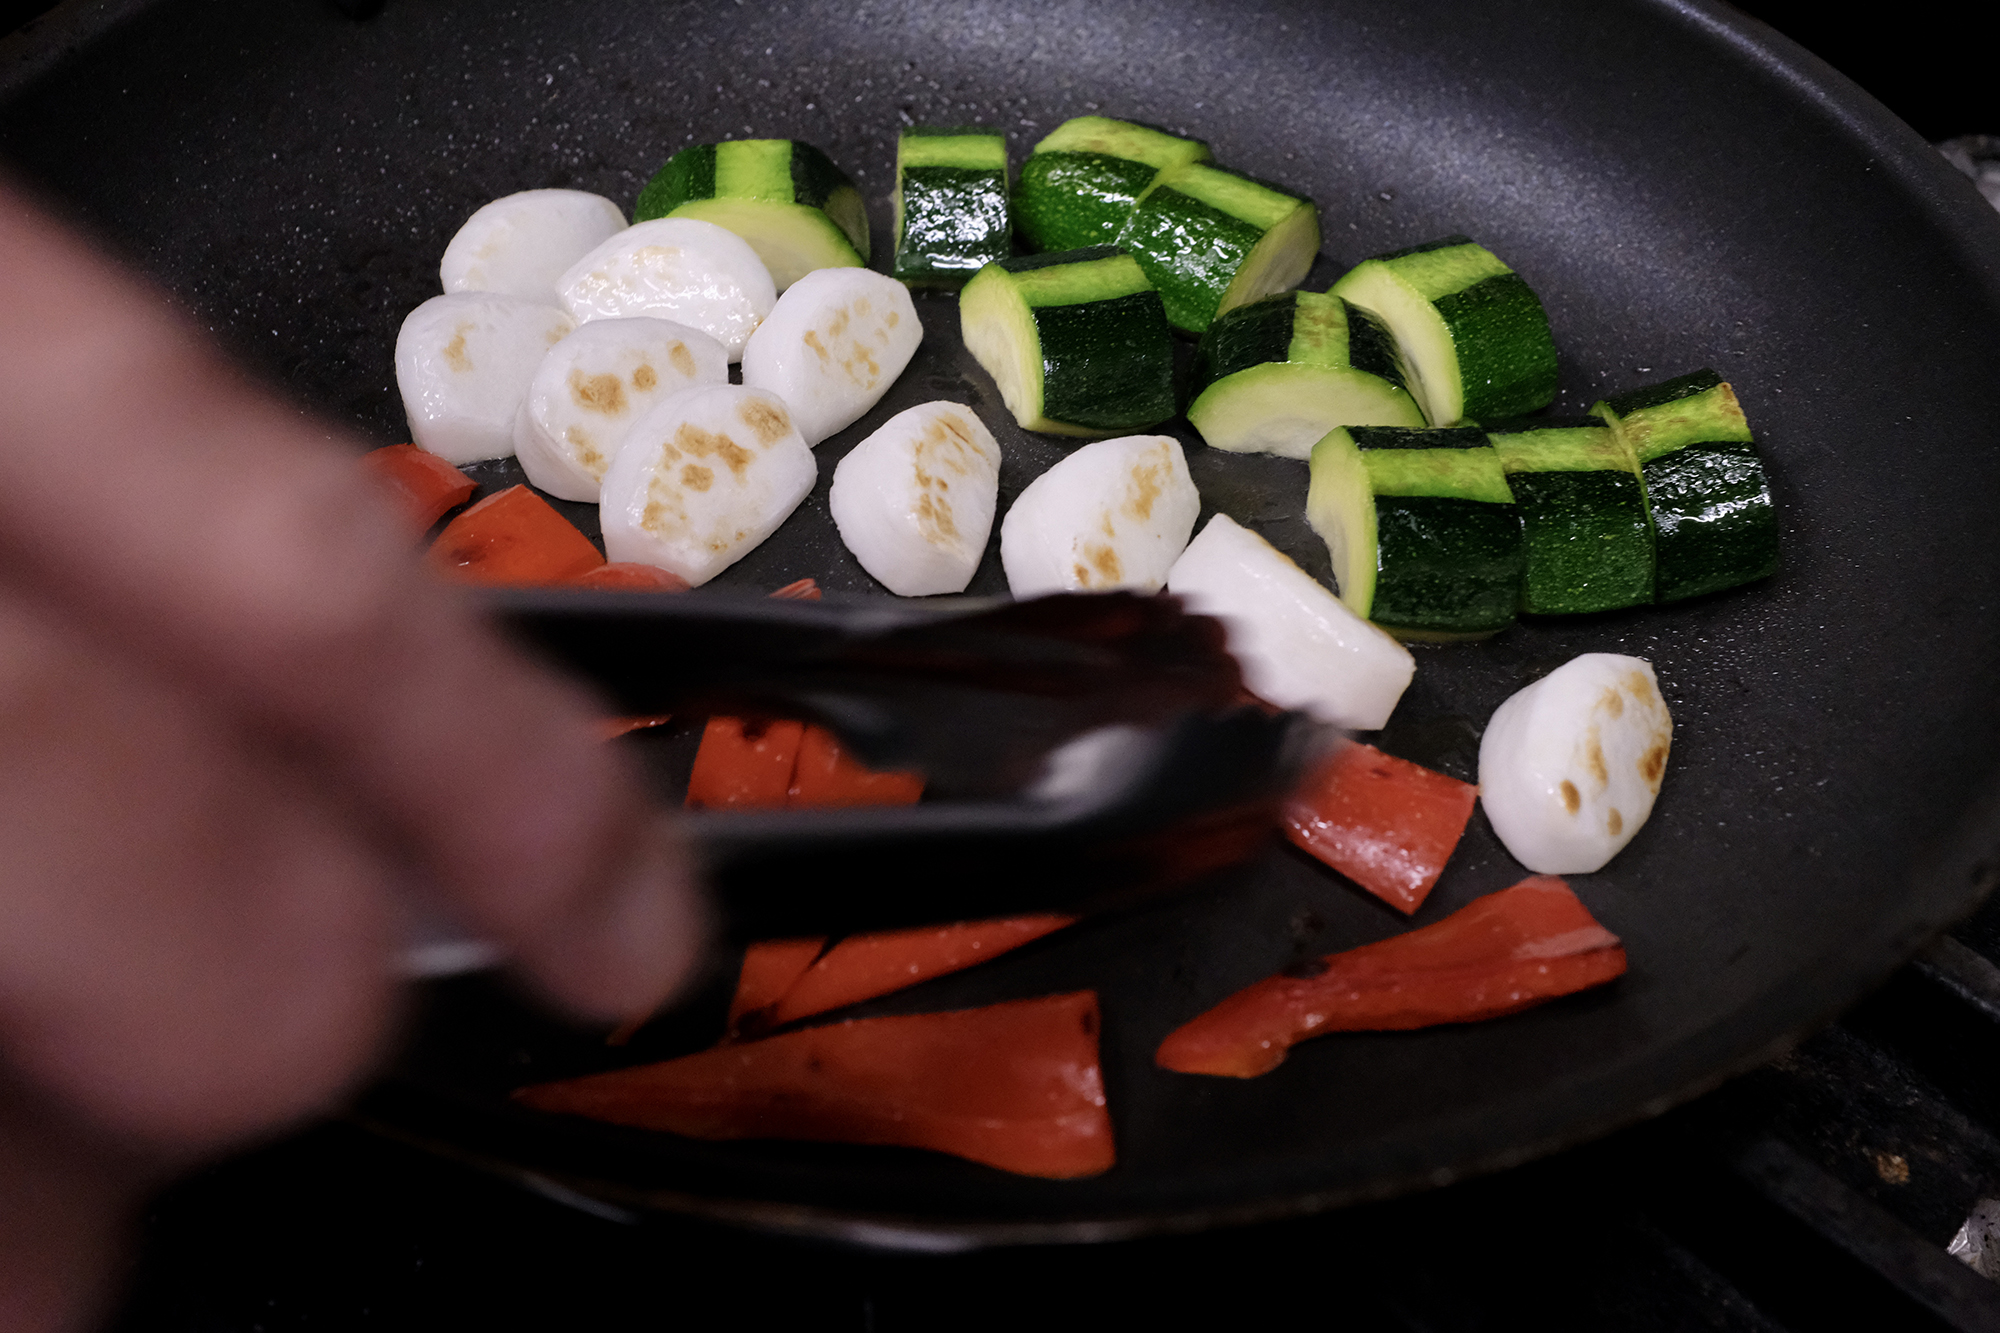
828	776
425	486
862	967
770	968
1385	823
626	576
1016	1086
514	537
744	763
1498	954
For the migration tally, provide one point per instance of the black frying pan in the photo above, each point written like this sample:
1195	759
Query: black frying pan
1683	189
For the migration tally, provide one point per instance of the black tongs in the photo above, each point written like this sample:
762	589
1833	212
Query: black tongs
1079	750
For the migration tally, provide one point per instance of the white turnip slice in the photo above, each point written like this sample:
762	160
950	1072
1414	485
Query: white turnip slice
1299	645
594	385
1114	514
463	363
1570	766
914	501
523	243
691	272
702	479
832	346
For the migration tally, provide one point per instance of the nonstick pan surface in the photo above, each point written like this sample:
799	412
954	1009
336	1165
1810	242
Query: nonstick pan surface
1682	188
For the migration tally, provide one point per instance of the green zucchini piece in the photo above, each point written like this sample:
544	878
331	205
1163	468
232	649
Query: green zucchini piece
1274	376
1423	530
1081	181
1706	493
1211	240
1077	342
952	217
1474	340
798	211
1584	512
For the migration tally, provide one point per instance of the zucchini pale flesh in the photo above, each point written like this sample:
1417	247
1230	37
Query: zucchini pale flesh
1081	181
1211	240
1583	510
1706	492
952	216
797	210
1275	375
1077	342
1424	533
1474	340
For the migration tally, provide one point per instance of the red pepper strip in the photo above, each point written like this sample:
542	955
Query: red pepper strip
800	590
611	728
862	967
749	763
425	485
826	776
514	537
625	576
770	968
744	763
1385	823
1503	952
1016	1086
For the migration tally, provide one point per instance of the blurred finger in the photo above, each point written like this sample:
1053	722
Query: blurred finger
230	543
194	944
62	1217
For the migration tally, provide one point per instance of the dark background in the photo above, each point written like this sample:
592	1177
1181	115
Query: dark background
335	1229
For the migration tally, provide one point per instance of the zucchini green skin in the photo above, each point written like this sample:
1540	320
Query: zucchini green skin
1473	337
1425	536
1211	240
1080	183
1077	342
952	211
1277	374
1707	496
1446	567
1583	511
787	199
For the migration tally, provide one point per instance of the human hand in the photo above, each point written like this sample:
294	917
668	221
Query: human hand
242	731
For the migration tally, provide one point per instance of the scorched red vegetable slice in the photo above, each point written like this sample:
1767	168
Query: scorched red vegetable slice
611	728
777	763
1015	1086
827	776
862	967
1385	823
770	968
514	537
625	576
799	590
424	485
747	764
1503	952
